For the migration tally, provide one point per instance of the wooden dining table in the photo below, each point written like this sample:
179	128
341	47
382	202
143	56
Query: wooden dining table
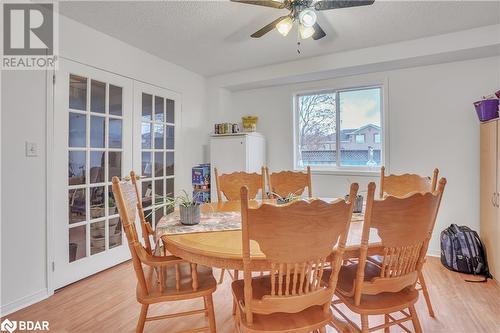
223	248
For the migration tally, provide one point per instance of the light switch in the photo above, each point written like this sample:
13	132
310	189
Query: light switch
31	149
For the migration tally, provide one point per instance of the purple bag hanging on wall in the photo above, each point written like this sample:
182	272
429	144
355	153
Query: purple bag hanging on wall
487	109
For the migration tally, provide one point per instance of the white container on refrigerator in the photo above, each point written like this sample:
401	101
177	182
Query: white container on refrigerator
236	152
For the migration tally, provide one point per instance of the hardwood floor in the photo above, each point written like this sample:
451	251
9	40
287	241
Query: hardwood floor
106	303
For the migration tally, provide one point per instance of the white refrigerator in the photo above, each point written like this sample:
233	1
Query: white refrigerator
236	152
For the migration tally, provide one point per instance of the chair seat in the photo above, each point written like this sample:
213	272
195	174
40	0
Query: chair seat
371	304
347	276
304	321
206	284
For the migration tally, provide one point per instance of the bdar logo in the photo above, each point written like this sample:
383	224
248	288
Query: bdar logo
8	325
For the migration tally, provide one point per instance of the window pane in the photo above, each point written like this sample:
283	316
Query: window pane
146	136
97	132
159	191
115	133
115	164
111	202
170	188
115	232
76	168
77	205
159	166
97	208
96	167
97	237
170	111
360	116
317	135
77	243
77	92
147	193
159	109
97	96
147	107
170	130
159	136
115	100
146	165
77	130
170	164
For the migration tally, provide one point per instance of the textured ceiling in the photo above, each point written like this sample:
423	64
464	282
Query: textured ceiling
213	37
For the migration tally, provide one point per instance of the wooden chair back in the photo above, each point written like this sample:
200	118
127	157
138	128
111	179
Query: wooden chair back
289	182
298	240
126	199
400	185
146	228
404	225
231	183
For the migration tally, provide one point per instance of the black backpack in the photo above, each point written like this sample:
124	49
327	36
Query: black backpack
462	251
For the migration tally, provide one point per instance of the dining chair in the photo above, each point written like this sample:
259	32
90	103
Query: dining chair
404	226
401	185
229	185
298	241
162	278
147	231
284	183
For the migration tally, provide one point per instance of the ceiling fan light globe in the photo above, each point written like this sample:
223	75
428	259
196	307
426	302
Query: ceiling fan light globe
284	26
307	17
306	32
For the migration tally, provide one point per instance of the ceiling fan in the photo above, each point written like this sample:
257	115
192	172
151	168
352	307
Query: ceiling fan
302	11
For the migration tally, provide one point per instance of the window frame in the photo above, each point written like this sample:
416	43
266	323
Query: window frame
339	169
360	135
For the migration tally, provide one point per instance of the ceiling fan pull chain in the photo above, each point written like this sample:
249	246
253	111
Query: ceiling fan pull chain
298	42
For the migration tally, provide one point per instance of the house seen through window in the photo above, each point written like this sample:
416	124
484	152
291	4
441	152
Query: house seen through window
339	129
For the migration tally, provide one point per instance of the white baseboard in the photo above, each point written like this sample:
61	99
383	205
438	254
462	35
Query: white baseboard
23	302
434	253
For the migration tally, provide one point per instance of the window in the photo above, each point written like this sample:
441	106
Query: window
334	129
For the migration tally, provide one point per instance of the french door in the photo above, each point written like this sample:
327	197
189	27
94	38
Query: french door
93	135
157	120
106	125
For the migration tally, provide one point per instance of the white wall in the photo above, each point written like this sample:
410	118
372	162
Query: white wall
431	124
23	215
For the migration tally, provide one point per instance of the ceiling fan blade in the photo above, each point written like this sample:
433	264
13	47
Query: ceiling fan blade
267	28
318	32
335	4
265	3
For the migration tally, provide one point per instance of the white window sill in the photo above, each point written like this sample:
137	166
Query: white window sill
344	172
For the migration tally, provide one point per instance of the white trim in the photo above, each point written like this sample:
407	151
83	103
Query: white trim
23	302
354	84
433	253
49	200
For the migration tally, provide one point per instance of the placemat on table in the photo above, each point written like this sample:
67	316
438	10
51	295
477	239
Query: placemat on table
213	221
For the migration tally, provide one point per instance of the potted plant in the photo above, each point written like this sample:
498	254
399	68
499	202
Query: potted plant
286	199
189	209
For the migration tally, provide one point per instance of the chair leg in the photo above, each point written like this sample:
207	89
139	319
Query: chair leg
386	322
414	319
426	294
364	323
211	314
221	278
142	318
